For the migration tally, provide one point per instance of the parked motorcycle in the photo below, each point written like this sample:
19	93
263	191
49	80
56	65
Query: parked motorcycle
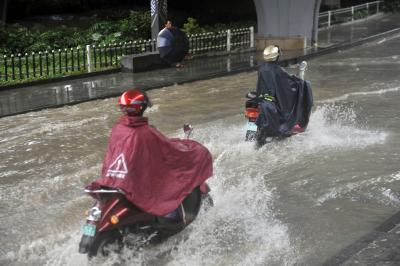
113	220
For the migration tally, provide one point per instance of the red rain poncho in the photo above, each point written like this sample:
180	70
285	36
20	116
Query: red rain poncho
154	171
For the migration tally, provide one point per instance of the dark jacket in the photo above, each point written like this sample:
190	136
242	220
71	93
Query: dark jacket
289	100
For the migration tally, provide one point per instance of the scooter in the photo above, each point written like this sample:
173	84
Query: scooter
113	220
252	111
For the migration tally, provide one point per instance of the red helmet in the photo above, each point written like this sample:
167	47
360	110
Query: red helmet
133	102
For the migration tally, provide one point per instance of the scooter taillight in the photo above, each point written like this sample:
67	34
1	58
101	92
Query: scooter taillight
297	129
251	113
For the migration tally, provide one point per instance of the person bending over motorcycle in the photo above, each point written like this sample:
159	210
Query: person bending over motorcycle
285	100
155	173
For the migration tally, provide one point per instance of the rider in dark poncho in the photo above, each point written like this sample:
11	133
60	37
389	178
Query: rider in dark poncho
286	99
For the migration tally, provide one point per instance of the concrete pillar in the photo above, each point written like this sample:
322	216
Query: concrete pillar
159	11
284	42
314	36
287	23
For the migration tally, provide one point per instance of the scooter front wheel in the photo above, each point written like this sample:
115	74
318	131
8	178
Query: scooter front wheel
106	243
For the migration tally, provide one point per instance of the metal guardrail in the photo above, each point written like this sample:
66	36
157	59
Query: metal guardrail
339	16
68	61
93	58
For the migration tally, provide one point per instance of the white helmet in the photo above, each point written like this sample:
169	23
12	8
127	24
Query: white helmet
271	53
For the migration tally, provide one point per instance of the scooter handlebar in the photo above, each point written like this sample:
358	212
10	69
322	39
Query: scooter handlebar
188	130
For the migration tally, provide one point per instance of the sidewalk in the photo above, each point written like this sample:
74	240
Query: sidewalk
15	101
379	247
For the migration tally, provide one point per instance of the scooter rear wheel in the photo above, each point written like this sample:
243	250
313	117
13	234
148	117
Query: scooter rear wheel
106	243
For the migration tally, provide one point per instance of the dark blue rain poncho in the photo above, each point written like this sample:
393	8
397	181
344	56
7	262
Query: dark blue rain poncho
172	44
290	101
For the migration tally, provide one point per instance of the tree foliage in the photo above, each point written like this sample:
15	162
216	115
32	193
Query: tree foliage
193	27
18	38
105	27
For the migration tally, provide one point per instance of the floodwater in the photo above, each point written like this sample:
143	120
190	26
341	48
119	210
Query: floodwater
294	202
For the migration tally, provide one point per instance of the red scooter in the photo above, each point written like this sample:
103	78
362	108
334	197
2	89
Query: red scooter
113	219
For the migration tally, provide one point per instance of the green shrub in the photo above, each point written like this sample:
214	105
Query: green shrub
15	38
135	27
102	27
360	14
192	26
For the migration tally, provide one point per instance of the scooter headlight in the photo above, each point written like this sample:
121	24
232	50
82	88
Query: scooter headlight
94	214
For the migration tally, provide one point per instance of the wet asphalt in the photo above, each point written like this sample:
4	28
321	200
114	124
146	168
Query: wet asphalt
380	247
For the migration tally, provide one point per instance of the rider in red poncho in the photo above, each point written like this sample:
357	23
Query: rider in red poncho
156	173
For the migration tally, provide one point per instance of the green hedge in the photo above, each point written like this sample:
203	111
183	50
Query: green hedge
104	27
17	38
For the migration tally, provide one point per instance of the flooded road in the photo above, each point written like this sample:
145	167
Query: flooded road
293	202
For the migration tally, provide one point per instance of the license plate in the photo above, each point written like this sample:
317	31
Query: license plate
89	229
251	126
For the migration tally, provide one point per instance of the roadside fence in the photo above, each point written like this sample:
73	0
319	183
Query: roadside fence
91	58
96	57
343	15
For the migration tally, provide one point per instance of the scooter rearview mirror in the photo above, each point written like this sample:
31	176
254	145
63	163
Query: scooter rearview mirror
187	129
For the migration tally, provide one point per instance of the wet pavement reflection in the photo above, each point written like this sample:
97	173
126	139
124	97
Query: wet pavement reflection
27	99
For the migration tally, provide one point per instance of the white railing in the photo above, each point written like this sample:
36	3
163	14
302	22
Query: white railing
222	40
92	58
338	16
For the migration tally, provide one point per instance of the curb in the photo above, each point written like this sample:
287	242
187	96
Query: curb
352	249
58	79
109	71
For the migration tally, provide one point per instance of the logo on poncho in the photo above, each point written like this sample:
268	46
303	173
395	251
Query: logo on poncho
118	168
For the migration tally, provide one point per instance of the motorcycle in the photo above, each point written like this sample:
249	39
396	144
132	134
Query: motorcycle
252	111
113	220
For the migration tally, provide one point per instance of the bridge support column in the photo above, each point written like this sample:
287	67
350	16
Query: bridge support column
285	43
158	10
291	24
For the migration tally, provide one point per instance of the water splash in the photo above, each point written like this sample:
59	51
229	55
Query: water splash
337	126
243	228
56	249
